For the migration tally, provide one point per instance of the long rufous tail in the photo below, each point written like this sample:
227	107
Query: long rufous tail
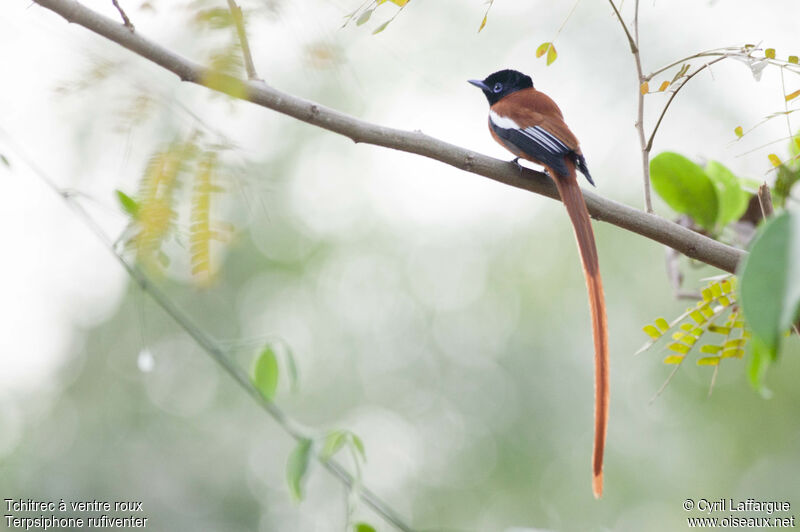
576	208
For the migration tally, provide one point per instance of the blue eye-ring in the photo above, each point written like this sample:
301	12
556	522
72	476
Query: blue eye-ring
497	87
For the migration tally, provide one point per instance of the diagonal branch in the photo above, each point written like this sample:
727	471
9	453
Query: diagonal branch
688	242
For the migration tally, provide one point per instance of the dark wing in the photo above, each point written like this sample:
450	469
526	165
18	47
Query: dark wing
531	125
535	144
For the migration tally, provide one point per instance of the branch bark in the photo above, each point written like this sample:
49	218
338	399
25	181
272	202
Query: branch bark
688	242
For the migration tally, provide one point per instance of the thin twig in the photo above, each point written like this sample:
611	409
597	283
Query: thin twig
708	53
125	20
765	200
212	348
786	105
238	20
633	41
675	93
688	242
648	201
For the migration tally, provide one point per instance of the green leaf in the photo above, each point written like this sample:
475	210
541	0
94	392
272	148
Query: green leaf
738	131
128	204
291	365
760	360
364	17
708	361
732	199
770	284
685	187
265	373
4	160
334	441
363	527
710	349
359	445
679	348
297	466
652	332
662	324
381	27
542	49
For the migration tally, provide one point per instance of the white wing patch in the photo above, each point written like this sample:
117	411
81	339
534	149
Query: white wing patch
502	121
537	134
545	139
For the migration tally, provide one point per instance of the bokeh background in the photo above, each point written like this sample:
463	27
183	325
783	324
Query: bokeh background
439	315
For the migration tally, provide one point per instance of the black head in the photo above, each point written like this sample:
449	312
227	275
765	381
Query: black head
502	83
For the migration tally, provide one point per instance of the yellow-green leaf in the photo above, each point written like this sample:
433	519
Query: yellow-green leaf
542	49
662	324
652	332
718	329
381	27
708	361
774	159
697	317
551	54
733	353
400	3
483	22
739	131
673	359
265	373
679	348
793	59
710	349
297	466
736	342
770	53
716	289
364	17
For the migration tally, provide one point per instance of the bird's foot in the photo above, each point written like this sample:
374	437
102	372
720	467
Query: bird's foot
519	166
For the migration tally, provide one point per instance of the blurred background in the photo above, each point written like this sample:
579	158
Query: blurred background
439	315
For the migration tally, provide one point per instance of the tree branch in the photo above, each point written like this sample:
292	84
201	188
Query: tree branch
688	242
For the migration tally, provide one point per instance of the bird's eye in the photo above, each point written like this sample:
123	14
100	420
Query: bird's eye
497	87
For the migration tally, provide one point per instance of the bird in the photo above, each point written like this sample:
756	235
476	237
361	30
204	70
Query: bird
529	124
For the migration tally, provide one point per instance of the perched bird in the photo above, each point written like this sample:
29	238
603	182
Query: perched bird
530	125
